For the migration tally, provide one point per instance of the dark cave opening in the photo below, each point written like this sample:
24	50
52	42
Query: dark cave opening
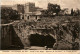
41	40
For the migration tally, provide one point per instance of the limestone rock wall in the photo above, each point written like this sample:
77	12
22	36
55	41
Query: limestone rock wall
66	32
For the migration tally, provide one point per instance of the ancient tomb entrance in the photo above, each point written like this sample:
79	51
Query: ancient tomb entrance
41	40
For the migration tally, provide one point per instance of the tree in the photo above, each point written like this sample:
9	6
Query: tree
9	14
53	8
72	12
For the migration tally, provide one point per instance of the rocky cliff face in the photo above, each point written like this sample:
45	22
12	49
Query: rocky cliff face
64	31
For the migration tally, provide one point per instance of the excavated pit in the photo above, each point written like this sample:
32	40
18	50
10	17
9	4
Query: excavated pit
41	40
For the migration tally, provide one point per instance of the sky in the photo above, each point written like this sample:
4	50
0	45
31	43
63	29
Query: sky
43	3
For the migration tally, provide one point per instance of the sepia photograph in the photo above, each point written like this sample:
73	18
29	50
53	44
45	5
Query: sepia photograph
40	25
